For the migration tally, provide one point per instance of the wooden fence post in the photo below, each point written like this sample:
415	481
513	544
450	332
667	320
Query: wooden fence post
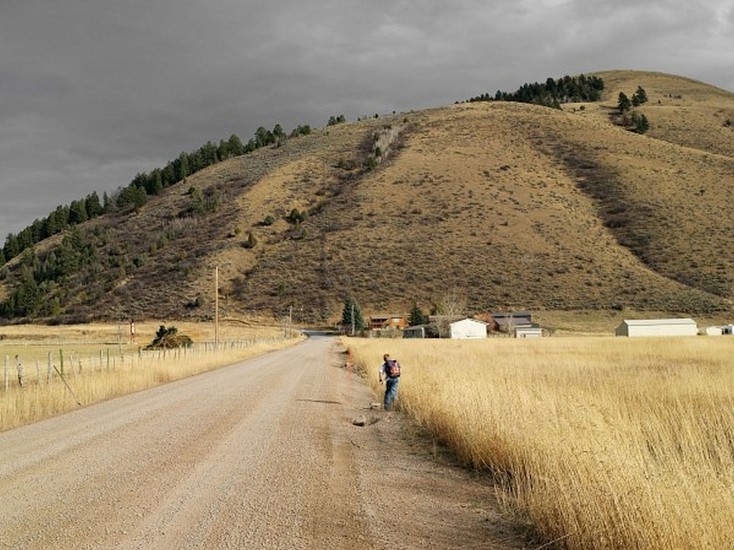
20	370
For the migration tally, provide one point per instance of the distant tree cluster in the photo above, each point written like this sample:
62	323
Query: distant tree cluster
61	218
552	93
334	120
39	275
300	130
201	203
142	186
624	103
630	118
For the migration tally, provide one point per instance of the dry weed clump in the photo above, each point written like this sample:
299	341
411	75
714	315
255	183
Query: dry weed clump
599	442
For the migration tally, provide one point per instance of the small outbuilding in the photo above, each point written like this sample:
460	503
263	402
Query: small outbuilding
508	321
421	331
529	332
657	327
467	328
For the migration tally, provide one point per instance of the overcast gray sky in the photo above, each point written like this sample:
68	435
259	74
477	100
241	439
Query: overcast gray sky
93	92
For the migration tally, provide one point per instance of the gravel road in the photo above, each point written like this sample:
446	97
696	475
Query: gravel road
261	454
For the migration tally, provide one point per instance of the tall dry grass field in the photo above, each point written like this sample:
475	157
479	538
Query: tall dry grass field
598	442
97	365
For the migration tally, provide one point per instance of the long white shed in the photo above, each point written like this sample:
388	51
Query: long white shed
657	327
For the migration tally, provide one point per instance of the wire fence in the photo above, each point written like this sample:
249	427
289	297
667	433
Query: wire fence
67	364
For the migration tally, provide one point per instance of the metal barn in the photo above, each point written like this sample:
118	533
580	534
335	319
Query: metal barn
657	327
467	328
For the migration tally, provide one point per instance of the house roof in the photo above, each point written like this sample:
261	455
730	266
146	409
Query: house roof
445	318
468	319
507	314
386	316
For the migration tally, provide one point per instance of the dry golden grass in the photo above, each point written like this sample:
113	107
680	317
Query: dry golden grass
99	363
598	443
681	110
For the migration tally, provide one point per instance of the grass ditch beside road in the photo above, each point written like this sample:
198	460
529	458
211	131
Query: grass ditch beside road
597	443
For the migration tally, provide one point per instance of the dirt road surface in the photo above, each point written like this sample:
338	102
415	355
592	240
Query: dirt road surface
262	454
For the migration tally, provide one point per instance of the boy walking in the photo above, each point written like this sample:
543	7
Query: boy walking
390	373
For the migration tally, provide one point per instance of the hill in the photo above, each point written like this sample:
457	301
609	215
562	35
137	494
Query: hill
498	204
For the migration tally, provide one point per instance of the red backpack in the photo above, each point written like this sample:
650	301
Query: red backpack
393	368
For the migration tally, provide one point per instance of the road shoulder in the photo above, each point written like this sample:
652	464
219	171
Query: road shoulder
412	490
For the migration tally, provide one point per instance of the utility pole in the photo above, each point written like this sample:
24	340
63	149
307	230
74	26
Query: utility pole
290	319
216	308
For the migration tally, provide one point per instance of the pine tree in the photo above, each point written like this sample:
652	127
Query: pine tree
223	152
416	316
640	122
352	316
168	175
235	145
624	103
11	248
639	97
183	166
78	212
94	208
263	137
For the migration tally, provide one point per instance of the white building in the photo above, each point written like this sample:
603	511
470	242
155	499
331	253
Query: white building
657	327
529	332
467	328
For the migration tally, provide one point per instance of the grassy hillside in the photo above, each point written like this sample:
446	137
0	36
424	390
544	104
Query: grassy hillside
502	204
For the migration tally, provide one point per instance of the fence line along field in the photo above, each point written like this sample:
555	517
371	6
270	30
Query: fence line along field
51	370
598	443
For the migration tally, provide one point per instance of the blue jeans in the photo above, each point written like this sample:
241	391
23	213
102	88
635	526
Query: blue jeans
391	391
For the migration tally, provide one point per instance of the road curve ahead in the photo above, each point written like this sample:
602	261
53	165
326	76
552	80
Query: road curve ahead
261	454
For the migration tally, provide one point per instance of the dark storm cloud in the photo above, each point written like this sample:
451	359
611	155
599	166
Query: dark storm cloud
92	93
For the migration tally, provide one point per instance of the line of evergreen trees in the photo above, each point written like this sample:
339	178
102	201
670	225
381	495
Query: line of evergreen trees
143	185
552	93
